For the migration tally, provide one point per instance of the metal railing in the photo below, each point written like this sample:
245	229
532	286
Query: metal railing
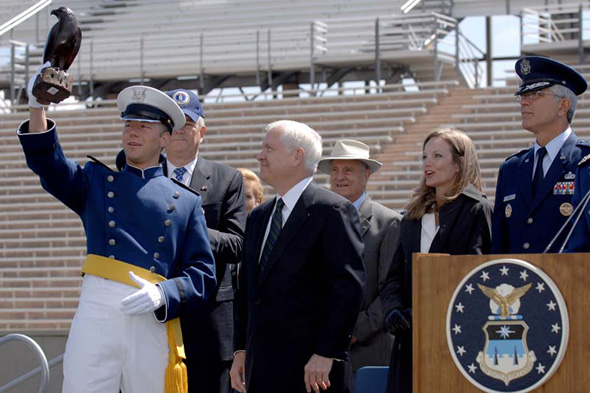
20	49
469	58
23	16
556	23
43	369
264	52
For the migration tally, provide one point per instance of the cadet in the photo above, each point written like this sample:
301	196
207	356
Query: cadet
535	186
143	231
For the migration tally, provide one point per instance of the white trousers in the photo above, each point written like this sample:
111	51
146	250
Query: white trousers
107	350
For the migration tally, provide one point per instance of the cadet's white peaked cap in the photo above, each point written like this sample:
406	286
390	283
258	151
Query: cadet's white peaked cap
144	103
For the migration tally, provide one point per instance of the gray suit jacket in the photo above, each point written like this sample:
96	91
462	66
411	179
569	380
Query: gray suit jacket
380	231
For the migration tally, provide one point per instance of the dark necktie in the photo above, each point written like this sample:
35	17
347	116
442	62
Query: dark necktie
273	234
179	173
538	177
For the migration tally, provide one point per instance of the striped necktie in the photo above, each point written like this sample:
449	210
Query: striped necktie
275	229
179	173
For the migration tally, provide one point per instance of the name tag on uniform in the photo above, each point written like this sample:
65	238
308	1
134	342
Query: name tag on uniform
509	197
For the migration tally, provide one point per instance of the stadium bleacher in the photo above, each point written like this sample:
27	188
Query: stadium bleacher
43	243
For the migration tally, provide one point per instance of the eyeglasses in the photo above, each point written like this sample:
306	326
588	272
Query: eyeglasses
533	95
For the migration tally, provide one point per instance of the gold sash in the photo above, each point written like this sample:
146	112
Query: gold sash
175	380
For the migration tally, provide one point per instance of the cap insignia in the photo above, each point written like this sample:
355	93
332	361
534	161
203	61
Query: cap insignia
139	95
525	67
181	98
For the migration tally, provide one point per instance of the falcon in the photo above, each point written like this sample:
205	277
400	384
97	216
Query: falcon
64	39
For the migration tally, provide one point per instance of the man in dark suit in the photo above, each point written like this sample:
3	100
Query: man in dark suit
302	281
208	333
350	168
535	186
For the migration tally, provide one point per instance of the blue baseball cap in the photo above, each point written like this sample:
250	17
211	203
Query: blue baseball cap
188	102
538	73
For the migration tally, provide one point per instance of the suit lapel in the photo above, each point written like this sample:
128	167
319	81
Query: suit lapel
201	180
365	215
265	212
448	214
412	232
556	170
296	219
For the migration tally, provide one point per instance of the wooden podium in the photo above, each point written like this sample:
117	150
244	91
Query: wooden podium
435	278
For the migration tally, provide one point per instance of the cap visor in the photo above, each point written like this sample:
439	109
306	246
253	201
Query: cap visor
131	118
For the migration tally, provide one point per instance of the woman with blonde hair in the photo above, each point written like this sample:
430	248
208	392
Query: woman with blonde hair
447	213
252	189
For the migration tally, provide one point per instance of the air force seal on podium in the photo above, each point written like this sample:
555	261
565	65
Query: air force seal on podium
507	326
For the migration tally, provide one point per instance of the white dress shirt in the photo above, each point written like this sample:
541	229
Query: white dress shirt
290	199
188	175
553	149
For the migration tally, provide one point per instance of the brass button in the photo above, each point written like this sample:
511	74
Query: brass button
176	195
112	256
152	269
167	223
111	194
161	239
111	209
157	255
112	242
172	207
530	220
112	224
110	178
526	246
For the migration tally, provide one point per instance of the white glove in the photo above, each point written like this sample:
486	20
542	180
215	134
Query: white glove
148	298
32	99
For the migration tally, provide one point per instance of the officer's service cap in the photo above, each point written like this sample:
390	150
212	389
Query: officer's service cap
188	102
144	103
539	73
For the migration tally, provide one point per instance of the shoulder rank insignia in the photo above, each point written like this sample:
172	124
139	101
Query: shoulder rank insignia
517	153
185	186
97	161
584	160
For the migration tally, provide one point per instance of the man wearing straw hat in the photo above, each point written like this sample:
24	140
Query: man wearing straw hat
350	168
148	254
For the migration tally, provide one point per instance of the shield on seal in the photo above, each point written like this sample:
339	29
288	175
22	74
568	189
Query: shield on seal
506	355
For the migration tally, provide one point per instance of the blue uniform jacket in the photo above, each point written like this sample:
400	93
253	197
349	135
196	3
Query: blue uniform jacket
580	240
522	224
138	217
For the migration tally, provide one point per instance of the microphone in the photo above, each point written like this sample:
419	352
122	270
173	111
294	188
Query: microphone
579	211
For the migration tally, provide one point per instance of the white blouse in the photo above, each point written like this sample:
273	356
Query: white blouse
428	232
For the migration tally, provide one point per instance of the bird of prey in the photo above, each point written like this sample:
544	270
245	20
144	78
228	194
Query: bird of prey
64	39
504	302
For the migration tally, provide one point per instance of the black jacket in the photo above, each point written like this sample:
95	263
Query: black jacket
465	228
